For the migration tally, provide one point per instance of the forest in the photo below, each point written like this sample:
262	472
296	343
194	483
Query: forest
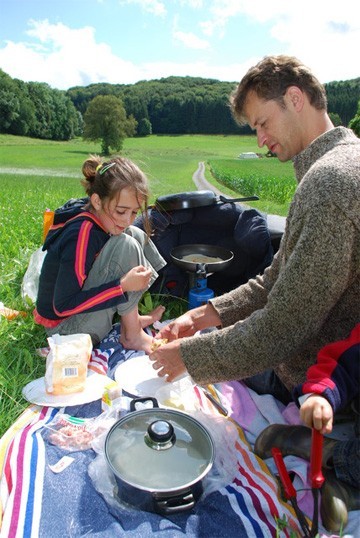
172	105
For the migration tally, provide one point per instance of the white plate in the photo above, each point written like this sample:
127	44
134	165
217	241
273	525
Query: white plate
35	392
137	377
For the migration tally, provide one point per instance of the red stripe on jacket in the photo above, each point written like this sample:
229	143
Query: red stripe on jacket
81	250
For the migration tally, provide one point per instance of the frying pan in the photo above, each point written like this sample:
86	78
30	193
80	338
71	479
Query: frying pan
191	199
177	254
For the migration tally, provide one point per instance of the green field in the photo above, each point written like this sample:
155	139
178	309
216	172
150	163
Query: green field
39	174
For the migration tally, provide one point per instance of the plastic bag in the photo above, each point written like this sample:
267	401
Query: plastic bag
10	313
223	432
30	283
225	435
74	433
66	363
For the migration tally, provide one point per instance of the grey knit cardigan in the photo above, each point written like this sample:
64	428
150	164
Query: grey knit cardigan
309	296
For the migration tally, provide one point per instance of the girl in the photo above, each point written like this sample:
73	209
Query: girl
97	264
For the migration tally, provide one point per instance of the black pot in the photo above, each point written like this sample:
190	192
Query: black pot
192	199
159	458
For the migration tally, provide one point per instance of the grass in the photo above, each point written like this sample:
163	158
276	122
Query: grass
271	180
36	174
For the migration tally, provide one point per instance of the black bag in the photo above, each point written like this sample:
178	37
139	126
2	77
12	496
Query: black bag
231	226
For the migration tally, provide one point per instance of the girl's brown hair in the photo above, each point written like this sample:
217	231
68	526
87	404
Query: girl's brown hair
108	178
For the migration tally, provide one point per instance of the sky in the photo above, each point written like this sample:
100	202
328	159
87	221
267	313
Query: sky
68	43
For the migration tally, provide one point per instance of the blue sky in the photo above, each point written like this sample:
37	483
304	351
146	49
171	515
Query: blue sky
77	42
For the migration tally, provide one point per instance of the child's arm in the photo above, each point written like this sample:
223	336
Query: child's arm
332	382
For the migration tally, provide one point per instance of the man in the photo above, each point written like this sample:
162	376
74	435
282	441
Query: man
309	296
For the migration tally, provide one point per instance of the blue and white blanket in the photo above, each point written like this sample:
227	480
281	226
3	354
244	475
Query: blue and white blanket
38	502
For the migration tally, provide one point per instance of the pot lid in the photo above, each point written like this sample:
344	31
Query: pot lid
159	449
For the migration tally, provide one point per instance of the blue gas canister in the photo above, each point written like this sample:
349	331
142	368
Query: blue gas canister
200	294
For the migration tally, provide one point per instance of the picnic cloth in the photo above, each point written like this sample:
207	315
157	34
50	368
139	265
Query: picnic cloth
37	502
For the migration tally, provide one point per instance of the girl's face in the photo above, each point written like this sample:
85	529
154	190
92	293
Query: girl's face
120	212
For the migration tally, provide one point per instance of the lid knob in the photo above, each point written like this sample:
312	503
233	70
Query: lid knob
160	435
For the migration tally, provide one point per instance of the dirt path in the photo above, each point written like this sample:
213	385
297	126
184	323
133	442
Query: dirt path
201	182
276	224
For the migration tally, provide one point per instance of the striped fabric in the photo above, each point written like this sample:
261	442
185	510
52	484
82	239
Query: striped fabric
247	507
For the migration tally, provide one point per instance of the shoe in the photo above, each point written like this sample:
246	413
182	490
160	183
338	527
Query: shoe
337	499
292	441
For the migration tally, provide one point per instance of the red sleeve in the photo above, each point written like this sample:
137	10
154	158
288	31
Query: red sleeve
336	372
79	250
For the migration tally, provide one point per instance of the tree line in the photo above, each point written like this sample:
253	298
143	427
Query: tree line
172	105
36	110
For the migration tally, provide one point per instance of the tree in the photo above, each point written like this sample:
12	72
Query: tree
355	122
335	119
105	119
144	128
9	109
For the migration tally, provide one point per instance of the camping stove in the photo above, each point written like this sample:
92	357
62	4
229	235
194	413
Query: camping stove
219	259
199	293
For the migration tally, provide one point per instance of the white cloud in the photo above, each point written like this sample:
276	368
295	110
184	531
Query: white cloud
67	57
151	6
191	40
195	4
322	34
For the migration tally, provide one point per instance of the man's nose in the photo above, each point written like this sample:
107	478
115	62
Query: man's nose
261	138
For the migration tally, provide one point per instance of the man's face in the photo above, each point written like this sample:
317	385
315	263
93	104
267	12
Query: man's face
276	127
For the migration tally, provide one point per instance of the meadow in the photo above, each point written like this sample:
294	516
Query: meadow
39	174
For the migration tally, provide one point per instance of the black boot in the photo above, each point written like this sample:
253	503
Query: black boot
337	499
292	441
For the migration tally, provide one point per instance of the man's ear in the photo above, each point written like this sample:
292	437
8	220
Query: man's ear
295	97
95	201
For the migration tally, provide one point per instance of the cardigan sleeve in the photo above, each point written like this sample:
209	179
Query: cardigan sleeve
309	284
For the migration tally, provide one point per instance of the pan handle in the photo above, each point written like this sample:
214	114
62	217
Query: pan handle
230	200
178	503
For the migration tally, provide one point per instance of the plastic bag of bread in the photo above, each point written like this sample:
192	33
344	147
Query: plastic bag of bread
66	363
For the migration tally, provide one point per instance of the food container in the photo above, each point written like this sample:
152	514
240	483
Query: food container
159	458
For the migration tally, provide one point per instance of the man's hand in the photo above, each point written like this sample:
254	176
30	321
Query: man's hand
316	412
179	328
167	361
189	323
136	279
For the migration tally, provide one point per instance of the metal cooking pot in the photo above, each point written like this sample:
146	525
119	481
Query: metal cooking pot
177	254
159	458
192	199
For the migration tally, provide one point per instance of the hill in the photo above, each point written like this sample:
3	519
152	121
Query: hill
172	105
194	105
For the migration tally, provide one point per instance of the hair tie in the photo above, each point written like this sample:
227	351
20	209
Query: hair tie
106	167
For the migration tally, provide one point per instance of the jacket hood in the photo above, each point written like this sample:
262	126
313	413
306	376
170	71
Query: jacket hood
58	228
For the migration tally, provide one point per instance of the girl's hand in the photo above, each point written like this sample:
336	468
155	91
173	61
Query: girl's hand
316	412
136	279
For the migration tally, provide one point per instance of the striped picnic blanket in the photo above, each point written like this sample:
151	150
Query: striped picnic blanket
37	502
